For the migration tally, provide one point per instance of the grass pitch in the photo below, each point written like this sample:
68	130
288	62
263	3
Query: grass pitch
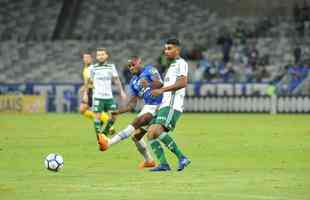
239	157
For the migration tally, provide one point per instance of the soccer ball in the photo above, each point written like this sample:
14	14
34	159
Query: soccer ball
54	162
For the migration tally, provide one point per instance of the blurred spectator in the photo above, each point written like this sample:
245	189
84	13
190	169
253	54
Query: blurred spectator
280	74
226	72
212	73
126	75
162	63
198	73
264	60
253	56
297	54
297	74
194	54
226	42
261	74
239	56
248	73
240	34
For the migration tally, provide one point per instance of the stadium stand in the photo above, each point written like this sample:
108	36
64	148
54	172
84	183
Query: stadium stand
125	27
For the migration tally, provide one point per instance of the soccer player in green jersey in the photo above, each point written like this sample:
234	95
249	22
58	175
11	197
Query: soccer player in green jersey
170	109
102	74
86	91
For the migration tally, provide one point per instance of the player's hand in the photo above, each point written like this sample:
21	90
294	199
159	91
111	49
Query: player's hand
144	83
156	92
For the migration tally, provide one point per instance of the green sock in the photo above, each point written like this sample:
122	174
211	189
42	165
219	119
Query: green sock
97	125
158	151
108	126
170	144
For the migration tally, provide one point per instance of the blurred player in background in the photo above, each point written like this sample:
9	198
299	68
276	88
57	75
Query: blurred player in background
145	78
102	74
86	90
170	108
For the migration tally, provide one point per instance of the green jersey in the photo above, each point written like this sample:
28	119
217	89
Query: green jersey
102	75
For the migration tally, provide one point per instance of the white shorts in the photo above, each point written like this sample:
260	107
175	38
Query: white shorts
148	109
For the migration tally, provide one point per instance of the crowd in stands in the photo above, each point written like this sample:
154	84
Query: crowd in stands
261	49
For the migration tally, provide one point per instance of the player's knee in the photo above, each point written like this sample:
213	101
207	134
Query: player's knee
82	109
136	124
157	130
134	138
152	132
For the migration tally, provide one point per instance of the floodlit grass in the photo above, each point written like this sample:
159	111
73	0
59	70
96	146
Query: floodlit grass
234	157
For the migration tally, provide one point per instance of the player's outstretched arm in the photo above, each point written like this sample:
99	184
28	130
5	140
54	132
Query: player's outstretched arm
179	84
119	86
129	107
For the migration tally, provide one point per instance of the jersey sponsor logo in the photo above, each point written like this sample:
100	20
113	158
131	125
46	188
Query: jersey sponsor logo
103	94
104	78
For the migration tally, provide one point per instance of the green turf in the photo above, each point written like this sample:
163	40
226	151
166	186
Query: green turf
234	157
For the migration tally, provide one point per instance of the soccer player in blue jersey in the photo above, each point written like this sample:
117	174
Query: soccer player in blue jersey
143	81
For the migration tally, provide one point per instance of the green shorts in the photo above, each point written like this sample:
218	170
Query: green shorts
103	105
167	117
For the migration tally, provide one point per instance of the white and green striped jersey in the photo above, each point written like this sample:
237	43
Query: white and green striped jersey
102	75
175	99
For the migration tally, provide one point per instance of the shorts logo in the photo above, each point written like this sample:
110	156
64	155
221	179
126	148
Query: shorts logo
161	118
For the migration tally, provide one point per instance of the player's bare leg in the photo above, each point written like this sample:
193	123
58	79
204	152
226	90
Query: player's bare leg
84	110
142	149
136	124
125	133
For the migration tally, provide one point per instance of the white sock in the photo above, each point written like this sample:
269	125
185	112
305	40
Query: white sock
122	135
141	146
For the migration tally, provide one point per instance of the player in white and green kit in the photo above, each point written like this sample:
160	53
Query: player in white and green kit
170	109
102	74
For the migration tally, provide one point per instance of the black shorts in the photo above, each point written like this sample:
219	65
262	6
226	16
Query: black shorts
90	97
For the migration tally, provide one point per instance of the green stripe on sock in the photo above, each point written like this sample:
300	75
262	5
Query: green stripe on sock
158	151
108	126
97	125
170	144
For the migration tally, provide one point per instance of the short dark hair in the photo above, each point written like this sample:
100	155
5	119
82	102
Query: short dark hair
133	59
85	52
173	41
102	49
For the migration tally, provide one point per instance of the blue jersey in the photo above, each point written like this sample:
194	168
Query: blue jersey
149	73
